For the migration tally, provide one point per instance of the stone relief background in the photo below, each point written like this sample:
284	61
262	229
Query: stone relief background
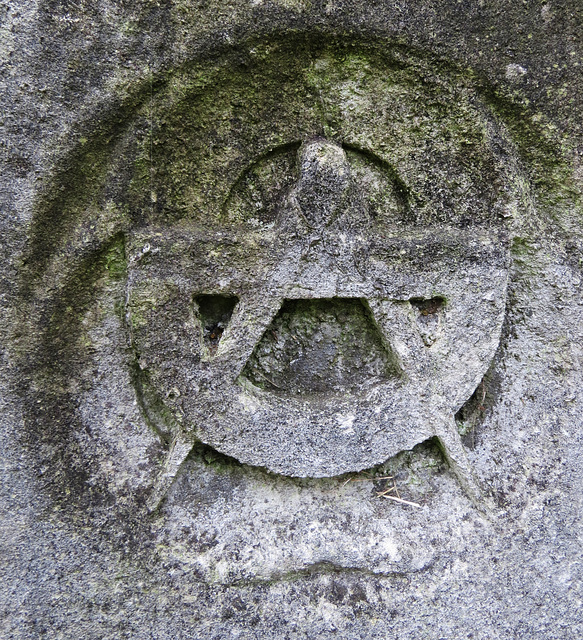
192	193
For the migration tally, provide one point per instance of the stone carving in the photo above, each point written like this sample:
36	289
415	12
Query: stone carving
307	288
279	228
319	341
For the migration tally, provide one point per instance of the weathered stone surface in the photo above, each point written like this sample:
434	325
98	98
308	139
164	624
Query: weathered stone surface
267	267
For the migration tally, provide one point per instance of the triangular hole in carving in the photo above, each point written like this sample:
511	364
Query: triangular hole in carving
214	313
321	346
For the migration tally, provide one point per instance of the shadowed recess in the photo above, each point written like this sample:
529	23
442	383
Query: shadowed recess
321	346
214	313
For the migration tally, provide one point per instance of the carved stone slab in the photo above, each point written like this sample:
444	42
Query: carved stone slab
323	344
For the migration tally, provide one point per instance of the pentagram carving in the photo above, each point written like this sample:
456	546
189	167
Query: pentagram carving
312	337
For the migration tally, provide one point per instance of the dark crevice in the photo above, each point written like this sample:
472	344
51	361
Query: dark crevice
471	415
427	307
214	458
214	313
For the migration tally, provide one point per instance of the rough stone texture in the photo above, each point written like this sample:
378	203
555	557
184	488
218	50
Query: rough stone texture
268	266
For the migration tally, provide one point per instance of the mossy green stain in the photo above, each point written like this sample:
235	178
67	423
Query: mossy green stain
80	175
115	260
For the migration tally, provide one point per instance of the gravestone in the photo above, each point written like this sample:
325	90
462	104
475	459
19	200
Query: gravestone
293	320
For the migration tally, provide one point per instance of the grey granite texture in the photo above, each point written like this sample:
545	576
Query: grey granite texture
292	319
